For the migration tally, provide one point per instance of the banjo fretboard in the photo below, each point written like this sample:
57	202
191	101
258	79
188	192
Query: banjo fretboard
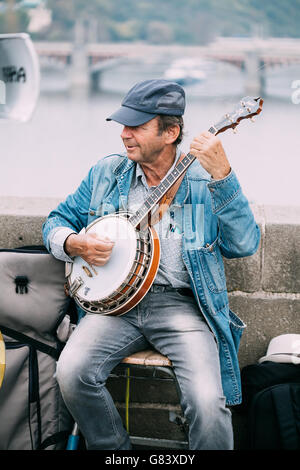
154	198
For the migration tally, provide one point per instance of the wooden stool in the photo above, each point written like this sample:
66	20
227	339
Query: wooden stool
153	360
149	357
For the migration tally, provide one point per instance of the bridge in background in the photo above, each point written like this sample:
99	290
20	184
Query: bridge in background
88	61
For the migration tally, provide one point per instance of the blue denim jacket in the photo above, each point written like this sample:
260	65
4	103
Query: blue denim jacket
216	221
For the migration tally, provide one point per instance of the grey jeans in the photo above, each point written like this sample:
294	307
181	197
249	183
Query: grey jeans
173	324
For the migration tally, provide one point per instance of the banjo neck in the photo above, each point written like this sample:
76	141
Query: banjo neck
160	190
246	108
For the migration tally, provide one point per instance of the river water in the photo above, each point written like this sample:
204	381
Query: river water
49	155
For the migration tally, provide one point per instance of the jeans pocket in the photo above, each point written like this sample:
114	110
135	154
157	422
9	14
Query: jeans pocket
184	296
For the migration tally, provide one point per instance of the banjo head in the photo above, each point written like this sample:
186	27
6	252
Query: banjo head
98	282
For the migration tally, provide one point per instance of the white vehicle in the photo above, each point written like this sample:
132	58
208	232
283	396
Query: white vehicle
185	71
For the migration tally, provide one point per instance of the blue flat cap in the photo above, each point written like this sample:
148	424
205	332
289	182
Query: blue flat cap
147	99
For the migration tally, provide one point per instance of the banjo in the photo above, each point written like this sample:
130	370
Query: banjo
120	284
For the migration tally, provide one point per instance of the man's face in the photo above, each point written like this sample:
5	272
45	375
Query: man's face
143	143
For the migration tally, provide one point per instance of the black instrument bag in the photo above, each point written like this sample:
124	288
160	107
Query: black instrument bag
271	400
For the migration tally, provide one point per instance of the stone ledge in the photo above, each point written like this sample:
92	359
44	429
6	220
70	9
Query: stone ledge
275	267
21	220
16	231
266	316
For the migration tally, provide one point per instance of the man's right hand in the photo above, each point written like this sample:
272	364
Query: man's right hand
93	249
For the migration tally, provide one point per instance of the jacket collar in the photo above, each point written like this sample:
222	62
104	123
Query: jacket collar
124	183
123	166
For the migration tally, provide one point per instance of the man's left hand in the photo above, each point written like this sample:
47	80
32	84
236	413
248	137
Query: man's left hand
208	149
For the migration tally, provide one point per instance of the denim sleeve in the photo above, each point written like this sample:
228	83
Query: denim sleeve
239	235
72	213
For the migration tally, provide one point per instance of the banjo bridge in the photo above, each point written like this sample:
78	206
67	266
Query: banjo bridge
76	284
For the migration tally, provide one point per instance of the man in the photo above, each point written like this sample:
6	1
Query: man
185	315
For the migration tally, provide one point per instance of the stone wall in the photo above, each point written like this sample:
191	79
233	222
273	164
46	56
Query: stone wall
264	290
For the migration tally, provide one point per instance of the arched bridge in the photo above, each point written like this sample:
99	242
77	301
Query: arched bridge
253	56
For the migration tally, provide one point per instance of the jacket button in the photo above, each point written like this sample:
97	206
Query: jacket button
92	212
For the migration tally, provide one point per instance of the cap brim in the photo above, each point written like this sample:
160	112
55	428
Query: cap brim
284	358
130	117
